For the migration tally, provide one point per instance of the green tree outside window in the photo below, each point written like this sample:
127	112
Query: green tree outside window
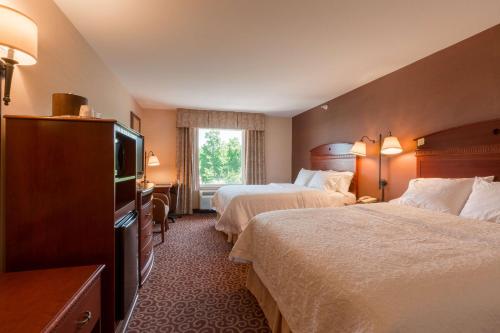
219	160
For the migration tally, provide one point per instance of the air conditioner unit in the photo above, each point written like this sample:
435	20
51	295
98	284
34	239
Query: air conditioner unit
206	199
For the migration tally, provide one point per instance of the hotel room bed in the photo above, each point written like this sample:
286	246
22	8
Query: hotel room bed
236	205
390	267
374	268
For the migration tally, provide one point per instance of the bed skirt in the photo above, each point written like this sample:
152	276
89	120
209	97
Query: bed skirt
231	238
267	303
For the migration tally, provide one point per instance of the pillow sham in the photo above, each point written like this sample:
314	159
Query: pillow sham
446	195
304	177
331	181
484	202
344	179
322	181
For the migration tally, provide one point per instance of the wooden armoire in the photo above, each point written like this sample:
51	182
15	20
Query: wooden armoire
62	197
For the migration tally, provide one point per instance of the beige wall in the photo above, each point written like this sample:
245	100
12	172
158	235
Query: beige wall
158	128
66	63
278	149
159	131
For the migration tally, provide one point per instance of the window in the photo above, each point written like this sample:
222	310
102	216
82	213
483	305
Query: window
220	154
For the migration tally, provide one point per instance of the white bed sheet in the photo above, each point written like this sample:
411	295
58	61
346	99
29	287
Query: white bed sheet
238	204
377	268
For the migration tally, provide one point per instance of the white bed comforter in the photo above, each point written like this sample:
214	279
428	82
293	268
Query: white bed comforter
238	204
377	268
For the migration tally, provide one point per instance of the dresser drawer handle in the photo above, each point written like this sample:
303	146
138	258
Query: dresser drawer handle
148	214
87	315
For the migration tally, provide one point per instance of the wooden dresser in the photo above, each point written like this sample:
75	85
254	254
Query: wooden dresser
53	300
145	213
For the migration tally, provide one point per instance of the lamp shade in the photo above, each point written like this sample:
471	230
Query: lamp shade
153	161
18	37
359	148
391	146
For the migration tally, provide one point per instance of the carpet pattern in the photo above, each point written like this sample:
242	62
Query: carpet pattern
193	287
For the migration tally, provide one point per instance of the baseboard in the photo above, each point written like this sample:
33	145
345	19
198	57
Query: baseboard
121	327
203	211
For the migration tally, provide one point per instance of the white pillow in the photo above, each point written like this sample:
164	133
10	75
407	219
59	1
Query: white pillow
344	179
331	181
484	202
444	195
304	177
323	180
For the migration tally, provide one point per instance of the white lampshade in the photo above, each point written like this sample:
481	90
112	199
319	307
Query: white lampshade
359	148
391	146
18	37
153	161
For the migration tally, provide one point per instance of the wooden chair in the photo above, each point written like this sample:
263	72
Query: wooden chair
160	212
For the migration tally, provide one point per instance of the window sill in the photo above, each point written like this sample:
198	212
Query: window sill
214	186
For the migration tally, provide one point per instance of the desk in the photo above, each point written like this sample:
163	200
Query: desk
171	190
61	299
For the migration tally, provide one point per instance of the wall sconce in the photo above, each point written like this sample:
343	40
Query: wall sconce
388	146
391	145
152	161
18	45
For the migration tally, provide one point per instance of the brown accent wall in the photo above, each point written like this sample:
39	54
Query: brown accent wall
455	86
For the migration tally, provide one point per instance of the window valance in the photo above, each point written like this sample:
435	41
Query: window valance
220	119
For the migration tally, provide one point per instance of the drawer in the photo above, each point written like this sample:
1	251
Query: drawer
146	213
147	198
146	234
146	262
146	253
85	313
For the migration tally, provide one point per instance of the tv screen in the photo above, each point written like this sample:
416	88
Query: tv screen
139	146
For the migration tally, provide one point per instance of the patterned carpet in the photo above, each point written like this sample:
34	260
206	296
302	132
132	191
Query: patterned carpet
193	287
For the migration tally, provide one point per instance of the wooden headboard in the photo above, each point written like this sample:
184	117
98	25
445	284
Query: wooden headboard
338	157
465	151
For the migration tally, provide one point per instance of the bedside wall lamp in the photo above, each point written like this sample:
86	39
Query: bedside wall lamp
388	146
391	145
151	161
18	44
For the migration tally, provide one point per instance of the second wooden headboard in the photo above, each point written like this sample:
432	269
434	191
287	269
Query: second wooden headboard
465	151
338	157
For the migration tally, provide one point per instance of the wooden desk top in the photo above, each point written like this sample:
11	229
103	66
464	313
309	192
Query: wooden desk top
31	300
145	188
167	185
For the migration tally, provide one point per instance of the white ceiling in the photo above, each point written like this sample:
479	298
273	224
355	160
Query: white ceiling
280	57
